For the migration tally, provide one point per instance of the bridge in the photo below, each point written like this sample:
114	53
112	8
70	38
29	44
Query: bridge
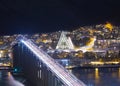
39	68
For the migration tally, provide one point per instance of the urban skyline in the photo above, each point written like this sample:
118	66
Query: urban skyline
86	47
100	40
59	42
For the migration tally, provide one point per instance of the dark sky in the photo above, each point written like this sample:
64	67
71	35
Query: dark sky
32	16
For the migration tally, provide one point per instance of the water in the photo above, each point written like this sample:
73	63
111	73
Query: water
91	77
98	76
6	79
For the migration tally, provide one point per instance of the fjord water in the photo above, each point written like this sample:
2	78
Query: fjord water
90	76
98	76
6	79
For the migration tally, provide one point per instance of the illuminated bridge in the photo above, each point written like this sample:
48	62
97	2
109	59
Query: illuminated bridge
39	68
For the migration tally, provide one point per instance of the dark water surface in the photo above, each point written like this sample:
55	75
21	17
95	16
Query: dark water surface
6	79
98	76
91	77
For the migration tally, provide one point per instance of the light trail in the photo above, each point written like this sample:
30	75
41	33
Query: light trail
66	77
89	45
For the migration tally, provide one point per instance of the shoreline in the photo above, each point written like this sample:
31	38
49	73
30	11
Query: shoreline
93	66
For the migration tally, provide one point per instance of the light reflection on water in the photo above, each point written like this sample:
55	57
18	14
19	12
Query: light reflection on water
98	76
6	79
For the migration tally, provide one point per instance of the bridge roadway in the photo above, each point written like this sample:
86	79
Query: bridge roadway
67	78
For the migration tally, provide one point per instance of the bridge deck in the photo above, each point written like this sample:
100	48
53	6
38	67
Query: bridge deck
66	77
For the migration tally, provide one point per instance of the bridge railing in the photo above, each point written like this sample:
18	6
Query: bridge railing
65	76
54	61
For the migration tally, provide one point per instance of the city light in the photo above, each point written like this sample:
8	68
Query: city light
96	63
109	26
89	45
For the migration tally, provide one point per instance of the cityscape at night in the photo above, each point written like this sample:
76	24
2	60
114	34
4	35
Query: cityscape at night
87	47
59	43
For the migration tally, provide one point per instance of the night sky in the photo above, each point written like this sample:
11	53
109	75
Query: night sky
36	16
